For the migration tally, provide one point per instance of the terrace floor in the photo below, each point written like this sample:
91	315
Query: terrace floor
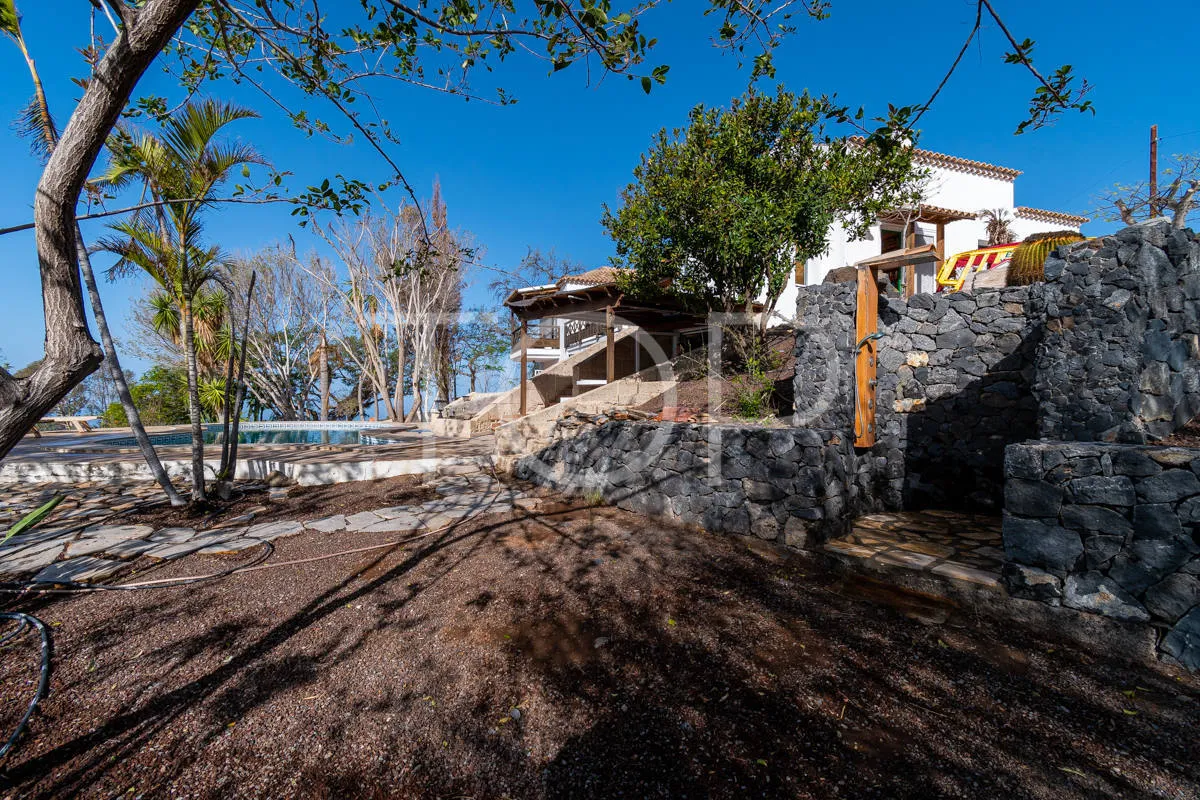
949	544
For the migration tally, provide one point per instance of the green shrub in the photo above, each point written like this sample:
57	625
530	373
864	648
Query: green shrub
692	365
1029	259
753	388
114	416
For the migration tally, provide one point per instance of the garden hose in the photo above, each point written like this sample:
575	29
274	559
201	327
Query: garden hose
23	622
74	587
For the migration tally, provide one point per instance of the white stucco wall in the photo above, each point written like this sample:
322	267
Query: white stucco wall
948	188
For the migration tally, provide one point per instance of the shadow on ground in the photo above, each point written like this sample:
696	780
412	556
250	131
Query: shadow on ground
586	653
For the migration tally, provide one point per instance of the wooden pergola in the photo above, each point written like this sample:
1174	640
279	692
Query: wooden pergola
906	258
602	302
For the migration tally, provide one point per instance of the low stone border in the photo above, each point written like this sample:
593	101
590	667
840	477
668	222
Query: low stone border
1111	529
794	485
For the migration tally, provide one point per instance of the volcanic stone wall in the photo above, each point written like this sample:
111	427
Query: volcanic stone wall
1118	361
954	375
1111	529
953	388
795	485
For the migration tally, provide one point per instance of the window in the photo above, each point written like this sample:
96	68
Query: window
890	240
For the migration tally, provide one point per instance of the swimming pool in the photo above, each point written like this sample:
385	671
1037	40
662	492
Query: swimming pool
262	435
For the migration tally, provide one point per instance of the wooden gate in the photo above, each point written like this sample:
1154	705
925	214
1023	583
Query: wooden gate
866	337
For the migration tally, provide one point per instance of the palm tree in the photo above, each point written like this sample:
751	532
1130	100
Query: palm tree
37	124
183	166
210	312
998	226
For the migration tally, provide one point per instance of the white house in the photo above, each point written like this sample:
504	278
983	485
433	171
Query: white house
956	192
911	243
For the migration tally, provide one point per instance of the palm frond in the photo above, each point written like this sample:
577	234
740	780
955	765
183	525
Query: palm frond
165	316
35	124
189	133
10	20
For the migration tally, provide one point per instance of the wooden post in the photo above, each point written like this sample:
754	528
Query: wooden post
866	322
909	271
611	345
941	243
1153	171
524	366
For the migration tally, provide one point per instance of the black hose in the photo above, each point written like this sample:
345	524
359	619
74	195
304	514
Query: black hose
24	621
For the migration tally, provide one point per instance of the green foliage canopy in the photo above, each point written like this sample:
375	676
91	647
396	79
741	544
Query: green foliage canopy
720	211
160	396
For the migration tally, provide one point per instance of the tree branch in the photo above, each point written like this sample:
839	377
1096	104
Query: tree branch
156	203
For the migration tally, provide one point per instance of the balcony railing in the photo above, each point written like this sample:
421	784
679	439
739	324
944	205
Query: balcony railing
580	331
539	336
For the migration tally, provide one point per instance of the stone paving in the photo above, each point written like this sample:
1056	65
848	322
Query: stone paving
964	547
64	551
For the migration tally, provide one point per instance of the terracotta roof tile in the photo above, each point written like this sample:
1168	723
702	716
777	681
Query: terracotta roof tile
931	158
594	277
1042	215
966	165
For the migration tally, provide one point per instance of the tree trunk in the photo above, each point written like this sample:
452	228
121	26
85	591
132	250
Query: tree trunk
118	377
193	386
229	469
71	353
401	358
325	381
414	413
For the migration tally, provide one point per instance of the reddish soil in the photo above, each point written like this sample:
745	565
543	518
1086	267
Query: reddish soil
694	395
1187	436
586	654
301	503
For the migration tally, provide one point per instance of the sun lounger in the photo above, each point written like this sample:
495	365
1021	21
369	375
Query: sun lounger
77	424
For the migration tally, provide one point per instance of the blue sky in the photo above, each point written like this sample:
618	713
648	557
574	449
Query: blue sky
536	174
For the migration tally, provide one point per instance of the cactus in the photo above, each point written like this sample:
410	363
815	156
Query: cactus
1029	259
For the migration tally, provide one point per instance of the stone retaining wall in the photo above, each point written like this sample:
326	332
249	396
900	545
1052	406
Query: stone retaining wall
795	485
1122	336
1111	529
953	387
954	374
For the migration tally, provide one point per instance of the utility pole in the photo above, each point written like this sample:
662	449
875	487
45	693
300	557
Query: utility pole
1153	171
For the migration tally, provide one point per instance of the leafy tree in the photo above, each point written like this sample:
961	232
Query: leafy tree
721	210
482	345
161	398
436	44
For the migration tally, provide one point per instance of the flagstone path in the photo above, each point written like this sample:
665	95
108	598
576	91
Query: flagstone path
68	549
965	547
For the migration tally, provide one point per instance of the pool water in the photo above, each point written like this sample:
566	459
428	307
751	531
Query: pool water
335	436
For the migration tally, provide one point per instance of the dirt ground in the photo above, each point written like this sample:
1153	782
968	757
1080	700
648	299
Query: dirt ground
301	503
695	395
592	653
1187	436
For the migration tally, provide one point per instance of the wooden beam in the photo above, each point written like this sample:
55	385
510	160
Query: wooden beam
524	366
866	323
941	243
610	346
